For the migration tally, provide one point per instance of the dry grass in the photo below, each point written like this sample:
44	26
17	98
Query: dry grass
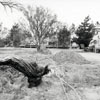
83	76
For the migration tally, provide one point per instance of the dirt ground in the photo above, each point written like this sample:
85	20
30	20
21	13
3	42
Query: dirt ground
93	92
90	56
81	78
93	57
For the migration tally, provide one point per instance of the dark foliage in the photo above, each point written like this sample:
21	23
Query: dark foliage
85	32
63	37
15	36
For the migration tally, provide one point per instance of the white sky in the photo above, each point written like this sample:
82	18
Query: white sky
68	11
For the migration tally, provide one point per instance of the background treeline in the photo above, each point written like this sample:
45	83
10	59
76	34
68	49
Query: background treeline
45	29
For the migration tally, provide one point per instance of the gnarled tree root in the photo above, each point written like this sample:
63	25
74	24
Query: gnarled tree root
33	82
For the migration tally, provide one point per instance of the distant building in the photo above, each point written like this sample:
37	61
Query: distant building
97	34
95	42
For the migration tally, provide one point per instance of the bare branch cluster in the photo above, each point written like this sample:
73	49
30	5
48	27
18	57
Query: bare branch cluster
42	23
10	4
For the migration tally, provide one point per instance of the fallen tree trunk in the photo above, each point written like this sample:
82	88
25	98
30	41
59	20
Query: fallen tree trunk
29	69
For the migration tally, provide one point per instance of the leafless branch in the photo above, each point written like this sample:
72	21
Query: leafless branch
10	4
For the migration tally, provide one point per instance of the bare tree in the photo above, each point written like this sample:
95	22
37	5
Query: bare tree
41	22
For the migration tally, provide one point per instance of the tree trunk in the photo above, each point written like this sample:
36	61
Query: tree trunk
80	46
39	48
39	45
33	82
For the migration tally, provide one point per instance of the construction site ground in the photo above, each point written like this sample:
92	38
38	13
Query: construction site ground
75	75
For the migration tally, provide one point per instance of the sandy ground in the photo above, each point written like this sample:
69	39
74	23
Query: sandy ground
84	77
93	57
93	93
90	56
54	51
88	93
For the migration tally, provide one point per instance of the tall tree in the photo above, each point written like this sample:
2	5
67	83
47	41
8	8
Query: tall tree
42	24
85	32
64	37
72	33
72	28
15	35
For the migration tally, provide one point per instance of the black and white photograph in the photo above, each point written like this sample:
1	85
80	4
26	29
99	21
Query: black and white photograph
49	50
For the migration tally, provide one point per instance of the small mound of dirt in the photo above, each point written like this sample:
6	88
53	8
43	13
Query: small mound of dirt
41	59
69	56
44	51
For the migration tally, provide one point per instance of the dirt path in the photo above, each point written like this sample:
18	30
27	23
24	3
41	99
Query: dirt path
93	57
